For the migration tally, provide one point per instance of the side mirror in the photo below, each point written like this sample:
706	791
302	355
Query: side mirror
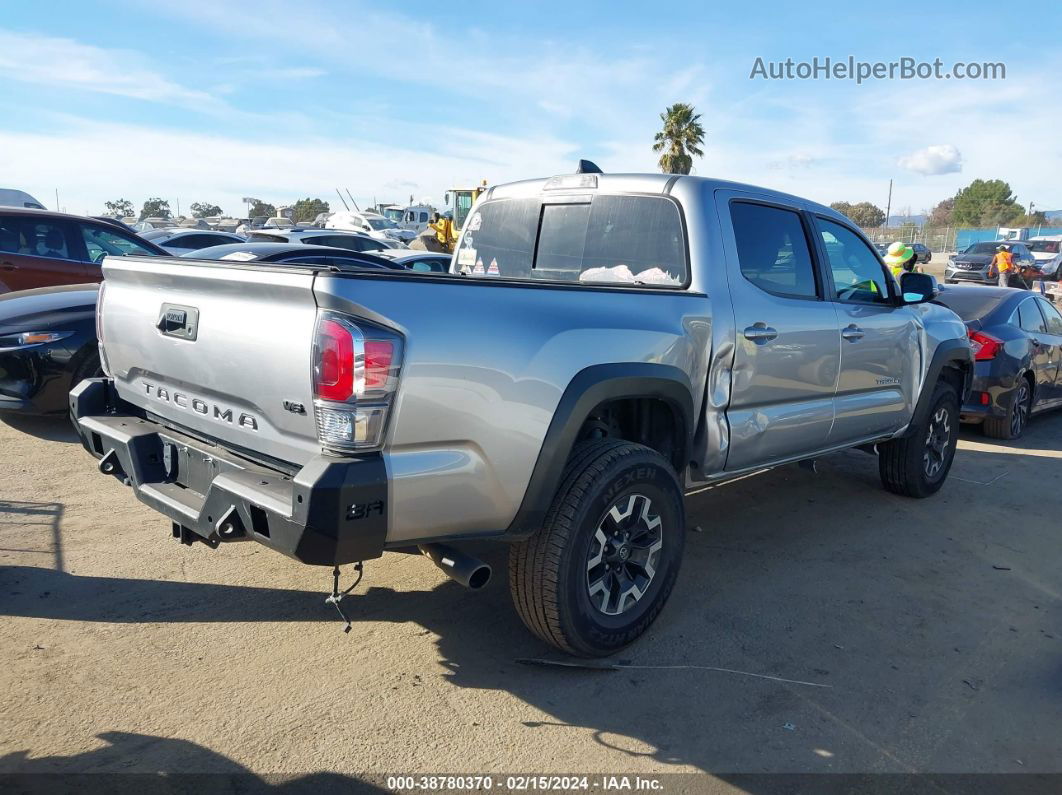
918	288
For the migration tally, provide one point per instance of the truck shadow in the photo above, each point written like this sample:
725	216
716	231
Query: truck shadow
137	763
51	427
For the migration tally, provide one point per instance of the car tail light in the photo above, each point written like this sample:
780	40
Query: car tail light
985	346
355	377
99	328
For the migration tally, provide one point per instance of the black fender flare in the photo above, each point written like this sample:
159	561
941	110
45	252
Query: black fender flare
950	353
590	388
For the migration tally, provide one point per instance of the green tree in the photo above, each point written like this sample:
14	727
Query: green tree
680	140
307	209
942	214
155	208
259	207
864	214
986	203
204	209
119	207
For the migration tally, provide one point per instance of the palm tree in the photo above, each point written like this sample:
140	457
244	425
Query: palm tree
680	139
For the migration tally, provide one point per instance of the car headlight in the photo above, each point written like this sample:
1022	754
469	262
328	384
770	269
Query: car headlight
33	338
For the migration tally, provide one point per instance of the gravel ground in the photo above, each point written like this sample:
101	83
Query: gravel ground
933	626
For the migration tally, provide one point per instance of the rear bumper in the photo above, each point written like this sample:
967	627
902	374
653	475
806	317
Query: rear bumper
990	396
332	511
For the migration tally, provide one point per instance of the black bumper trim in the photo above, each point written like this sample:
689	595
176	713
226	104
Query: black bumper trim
332	511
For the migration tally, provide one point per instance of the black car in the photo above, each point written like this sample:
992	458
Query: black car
1017	341
293	254
47	344
922	252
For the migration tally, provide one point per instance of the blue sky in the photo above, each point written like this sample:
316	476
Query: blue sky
212	101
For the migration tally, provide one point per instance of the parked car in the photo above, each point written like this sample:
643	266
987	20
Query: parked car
47	345
974	263
9	197
618	339
1047	249
922	252
39	248
1017	341
371	224
147	224
179	241
422	261
293	253
355	241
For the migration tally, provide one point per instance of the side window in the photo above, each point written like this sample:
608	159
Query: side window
1051	315
43	239
773	250
1029	317
10	236
857	273
102	242
424	218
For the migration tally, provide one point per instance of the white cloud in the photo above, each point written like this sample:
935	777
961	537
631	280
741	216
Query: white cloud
67	63
933	160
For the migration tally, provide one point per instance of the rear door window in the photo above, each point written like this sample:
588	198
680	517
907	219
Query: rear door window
633	240
1029	317
33	238
773	250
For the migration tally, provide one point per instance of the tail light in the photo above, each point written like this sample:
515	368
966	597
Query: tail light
985	346
355	377
99	328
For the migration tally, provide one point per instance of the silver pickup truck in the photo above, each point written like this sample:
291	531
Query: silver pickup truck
603	344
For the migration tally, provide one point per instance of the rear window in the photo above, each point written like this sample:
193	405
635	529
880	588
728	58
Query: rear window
635	240
969	303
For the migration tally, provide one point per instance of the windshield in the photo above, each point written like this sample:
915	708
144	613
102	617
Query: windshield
379	223
393	214
1044	246
983	248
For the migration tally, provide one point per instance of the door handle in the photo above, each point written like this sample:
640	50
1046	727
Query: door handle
760	333
8	266
853	333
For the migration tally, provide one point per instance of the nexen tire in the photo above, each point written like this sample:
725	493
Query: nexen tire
552	573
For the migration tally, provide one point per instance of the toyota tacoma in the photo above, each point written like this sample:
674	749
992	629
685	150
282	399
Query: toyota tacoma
602	344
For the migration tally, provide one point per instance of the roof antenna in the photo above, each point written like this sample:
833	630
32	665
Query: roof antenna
356	207
588	167
343	200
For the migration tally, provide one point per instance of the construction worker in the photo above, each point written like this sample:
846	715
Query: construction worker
901	258
444	231
1003	264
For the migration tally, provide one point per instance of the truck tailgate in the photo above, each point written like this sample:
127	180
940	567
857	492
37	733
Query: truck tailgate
222	350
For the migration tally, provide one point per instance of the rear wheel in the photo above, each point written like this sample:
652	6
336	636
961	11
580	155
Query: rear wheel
1013	424
918	464
600	570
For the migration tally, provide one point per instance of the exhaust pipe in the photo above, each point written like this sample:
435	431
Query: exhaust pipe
459	567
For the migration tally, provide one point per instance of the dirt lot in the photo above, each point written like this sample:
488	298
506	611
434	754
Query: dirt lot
935	626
